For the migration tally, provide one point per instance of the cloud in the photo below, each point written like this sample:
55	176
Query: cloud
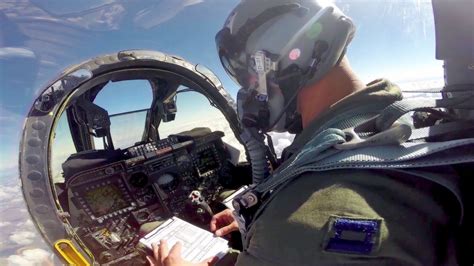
34	257
106	17
10	139
8	116
159	13
47	63
420	85
21	8
7	193
102	16
281	141
11	52
13	215
4	224
16	228
23	237
29	223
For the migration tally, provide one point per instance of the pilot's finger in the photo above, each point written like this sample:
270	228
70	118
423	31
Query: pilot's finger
217	216
176	250
228	216
227	229
223	217
155	248
217	219
213	223
163	251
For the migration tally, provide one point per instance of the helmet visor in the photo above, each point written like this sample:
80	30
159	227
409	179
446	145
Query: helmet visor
238	72
233	58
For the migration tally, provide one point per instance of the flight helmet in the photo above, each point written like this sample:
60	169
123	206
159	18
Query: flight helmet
273	48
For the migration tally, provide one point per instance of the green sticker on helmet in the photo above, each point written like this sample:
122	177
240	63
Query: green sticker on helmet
314	31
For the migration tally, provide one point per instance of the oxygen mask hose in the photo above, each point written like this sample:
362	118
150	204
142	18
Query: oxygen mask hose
254	140
257	150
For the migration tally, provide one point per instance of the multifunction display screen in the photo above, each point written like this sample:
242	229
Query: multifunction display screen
206	161
105	199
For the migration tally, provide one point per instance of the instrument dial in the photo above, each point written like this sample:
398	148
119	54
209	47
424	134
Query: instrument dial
167	182
138	180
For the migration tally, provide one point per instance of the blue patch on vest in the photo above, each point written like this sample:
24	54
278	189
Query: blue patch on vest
355	236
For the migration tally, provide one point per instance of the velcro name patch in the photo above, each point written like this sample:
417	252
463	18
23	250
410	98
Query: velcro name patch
353	235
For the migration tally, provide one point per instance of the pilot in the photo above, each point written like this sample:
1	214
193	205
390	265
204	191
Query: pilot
336	217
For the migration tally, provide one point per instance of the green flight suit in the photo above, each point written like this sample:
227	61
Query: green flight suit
413	217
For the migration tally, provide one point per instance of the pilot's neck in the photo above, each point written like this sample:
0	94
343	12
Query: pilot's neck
337	84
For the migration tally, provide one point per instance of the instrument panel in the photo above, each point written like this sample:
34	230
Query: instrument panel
152	182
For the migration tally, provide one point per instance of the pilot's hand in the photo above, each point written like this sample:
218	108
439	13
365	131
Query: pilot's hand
223	223
162	256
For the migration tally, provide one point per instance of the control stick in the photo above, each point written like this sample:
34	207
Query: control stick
198	200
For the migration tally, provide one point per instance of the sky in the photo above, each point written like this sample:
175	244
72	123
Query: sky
40	38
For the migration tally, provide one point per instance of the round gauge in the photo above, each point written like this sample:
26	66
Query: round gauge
138	180
166	181
142	216
109	170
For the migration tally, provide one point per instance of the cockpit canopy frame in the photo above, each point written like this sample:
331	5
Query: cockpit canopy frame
77	83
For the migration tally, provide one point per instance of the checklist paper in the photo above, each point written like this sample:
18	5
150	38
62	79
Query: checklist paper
197	244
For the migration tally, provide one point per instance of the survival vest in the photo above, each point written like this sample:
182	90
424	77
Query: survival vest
378	142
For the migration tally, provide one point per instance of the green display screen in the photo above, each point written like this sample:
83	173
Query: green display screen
105	199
